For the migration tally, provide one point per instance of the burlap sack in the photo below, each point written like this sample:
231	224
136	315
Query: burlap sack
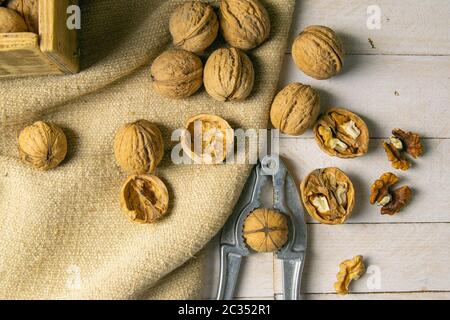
62	233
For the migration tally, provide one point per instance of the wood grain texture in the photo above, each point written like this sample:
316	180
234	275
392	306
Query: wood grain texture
407	26
411	92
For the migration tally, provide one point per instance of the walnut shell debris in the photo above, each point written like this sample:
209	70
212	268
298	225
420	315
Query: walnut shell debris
391	201
42	145
349	270
139	147
29	10
245	24
229	75
266	230
328	195
207	139
144	198
11	21
341	133
318	52
194	26
177	74
295	109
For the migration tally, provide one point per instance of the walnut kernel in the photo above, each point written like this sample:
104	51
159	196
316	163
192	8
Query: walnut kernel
318	52
177	74
11	21
349	270
245	24
42	145
295	109
144	198
410	140
328	195
391	201
29	10
265	230
229	75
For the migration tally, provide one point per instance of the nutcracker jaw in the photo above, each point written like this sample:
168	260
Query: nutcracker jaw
285	200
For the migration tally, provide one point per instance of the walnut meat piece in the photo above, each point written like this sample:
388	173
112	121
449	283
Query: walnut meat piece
139	147
245	24
207	139
42	145
318	52
400	198
341	133
391	201
410	141
229	75
144	198
349	270
328	195
295	109
395	156
177	74
11	21
194	26
29	10
265	230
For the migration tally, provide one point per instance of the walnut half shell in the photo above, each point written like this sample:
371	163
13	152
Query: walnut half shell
144	198
265	230
341	133
328	195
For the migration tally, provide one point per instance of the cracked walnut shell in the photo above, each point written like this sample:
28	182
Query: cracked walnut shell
194	26
328	195
42	145
11	21
349	270
29	10
144	198
318	52
229	75
265	230
295	109
341	133
177	74
207	138
139	147
245	24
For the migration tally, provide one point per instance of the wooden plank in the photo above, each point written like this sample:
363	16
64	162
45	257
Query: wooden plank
388	92
404	257
407	26
428	177
379	296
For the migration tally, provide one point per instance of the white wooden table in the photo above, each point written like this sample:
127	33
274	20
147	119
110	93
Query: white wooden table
395	76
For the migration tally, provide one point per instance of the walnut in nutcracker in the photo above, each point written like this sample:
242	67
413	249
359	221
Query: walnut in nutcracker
42	145
194	26
328	195
144	198
295	109
341	133
139	147
29	10
245	24
318	52
11	21
177	74
265	230
229	75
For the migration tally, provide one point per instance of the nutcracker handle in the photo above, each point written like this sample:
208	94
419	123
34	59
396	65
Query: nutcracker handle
230	263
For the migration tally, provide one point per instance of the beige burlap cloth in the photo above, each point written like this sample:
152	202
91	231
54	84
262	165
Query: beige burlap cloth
62	233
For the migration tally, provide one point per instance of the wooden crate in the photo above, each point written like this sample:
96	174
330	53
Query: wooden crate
53	51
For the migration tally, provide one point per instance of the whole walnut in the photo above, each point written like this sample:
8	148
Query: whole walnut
29	10
194	26
245	24
295	109
266	230
11	21
42	145
144	198
318	52
229	75
139	147
177	74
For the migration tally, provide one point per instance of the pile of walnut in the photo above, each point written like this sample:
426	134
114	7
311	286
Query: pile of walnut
19	16
228	74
